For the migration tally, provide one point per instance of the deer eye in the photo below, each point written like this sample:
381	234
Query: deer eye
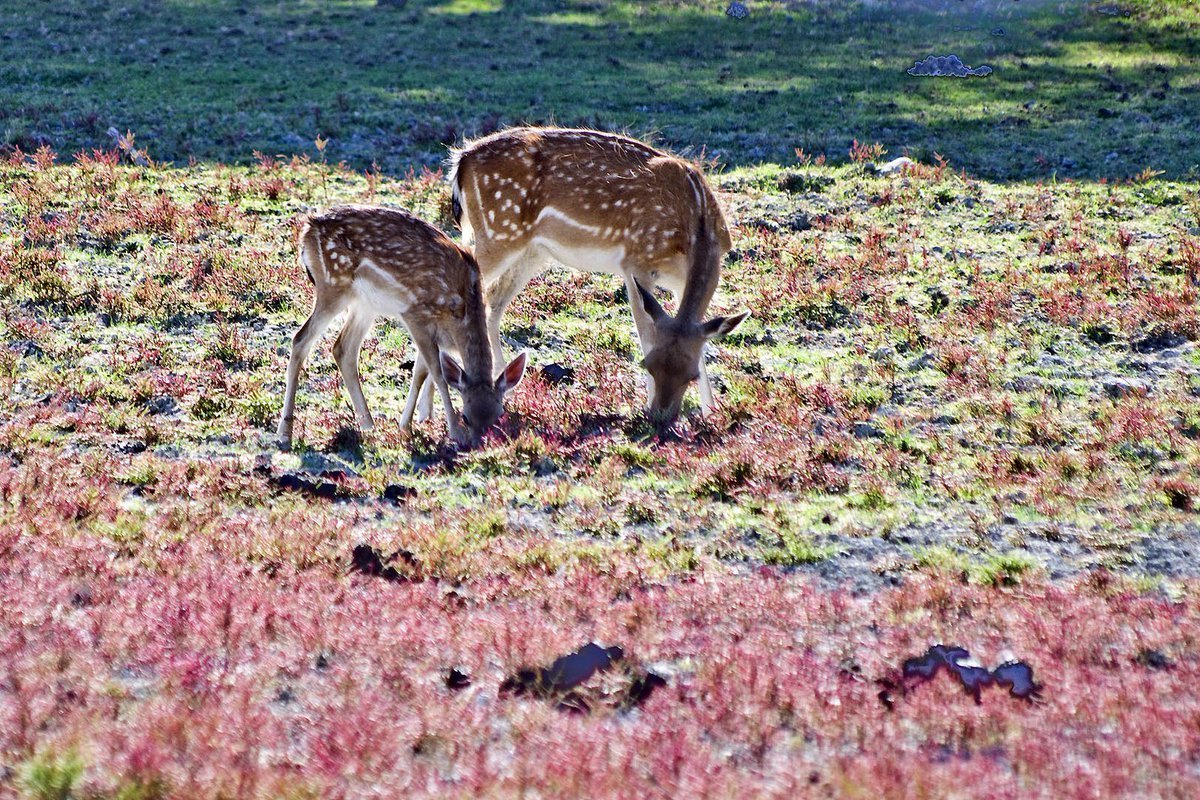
466	420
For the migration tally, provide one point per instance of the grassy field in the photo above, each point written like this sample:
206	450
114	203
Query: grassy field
965	410
1076	92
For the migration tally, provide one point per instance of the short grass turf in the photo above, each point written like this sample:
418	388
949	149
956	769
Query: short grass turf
1078	89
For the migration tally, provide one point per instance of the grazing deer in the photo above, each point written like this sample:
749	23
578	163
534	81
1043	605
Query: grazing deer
603	203
372	261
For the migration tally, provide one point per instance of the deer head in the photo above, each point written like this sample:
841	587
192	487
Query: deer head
482	395
673	359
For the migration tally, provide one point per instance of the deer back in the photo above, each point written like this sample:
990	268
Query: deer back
401	266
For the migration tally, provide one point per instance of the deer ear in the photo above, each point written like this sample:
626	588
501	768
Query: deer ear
513	373
649	303
719	326
451	371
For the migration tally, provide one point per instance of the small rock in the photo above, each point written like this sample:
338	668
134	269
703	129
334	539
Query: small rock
1117	388
737	10
1153	659
865	430
81	597
131	447
457	679
162	404
25	347
998	32
326	490
895	165
924	361
798	221
1158	340
948	66
398	492
557	374
369	561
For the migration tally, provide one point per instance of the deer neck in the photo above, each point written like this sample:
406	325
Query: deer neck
703	275
471	336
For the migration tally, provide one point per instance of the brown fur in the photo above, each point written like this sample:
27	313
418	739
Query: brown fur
597	201
371	261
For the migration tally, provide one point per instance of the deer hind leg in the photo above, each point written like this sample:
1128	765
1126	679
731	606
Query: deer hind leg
345	353
325	308
425	401
419	381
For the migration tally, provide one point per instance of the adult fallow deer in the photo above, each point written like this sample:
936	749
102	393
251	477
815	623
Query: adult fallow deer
370	261
606	203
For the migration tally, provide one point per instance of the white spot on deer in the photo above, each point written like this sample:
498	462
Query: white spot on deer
491	215
499	194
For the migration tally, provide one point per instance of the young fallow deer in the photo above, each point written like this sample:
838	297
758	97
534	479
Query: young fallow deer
372	261
605	203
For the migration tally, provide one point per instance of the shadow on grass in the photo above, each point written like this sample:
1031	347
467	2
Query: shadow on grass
1074	92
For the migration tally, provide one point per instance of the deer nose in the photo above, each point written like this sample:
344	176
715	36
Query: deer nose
663	415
